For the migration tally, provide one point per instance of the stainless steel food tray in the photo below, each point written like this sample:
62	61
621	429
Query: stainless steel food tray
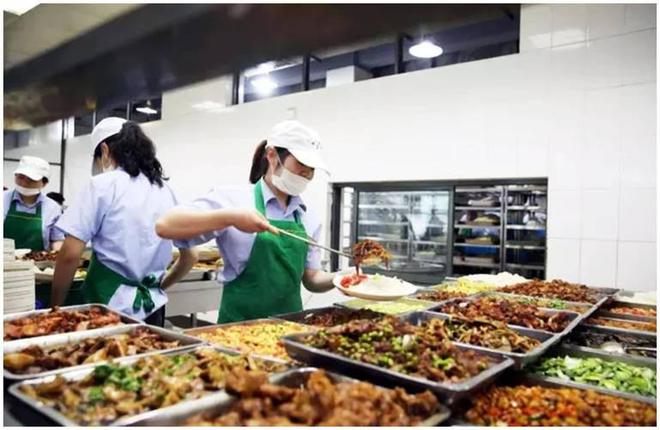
217	405
609	314
300	317
619	330
520	359
126	319
50	342
605	356
588	308
362	303
382	376
568	343
574	317
77	375
195	331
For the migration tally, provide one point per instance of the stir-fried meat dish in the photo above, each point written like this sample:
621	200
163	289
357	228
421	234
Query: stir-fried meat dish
336	316
630	325
555	289
369	252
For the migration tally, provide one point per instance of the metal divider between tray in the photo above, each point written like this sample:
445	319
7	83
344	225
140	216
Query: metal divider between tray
647	361
62	339
631	317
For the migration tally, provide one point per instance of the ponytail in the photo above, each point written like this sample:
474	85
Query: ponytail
260	162
134	152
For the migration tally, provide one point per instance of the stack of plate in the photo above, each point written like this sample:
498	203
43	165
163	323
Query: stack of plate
19	288
9	250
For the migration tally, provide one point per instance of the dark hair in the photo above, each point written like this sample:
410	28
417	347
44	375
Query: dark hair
134	152
260	162
59	198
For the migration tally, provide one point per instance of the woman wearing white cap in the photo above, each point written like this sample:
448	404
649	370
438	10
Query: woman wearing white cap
263	271
116	212
30	217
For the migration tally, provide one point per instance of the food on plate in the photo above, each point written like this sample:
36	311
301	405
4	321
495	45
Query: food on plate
548	303
35	359
40	256
261	338
393	307
508	311
321	402
438	295
400	346
555	289
369	252
350	280
613	375
111	391
488	334
331	317
59	321
632	310
630	325
542	406
597	339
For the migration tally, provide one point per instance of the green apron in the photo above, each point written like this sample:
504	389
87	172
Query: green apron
24	228
101	283
270	283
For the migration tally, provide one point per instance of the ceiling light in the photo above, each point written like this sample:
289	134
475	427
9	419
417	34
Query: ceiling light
18	7
146	110
264	84
425	49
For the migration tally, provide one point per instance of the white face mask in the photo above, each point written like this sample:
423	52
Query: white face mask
289	182
27	191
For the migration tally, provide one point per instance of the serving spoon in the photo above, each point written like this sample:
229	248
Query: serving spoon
619	348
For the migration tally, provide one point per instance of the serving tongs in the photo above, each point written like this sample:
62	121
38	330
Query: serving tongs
619	348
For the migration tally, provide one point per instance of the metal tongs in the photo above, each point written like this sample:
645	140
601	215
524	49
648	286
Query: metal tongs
619	348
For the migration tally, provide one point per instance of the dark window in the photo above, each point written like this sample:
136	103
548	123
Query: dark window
83	124
146	110
272	79
118	110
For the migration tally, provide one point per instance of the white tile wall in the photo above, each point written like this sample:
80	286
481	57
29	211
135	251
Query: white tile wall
637	214
638	57
639	17
563	259
599	214
536	28
598	262
564	223
604	20
569	24
637	266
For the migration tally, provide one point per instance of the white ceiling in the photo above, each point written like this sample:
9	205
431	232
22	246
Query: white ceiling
49	25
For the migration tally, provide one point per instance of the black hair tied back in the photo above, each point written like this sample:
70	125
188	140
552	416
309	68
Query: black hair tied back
134	152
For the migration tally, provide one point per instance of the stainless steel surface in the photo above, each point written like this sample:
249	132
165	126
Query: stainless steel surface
217	405
605	356
520	359
313	243
447	391
78	375
618	330
299	317
54	341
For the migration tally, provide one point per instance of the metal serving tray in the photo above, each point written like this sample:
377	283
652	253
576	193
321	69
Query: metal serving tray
386	377
217	405
361	303
606	330
77	375
54	341
195	331
605	356
574	317
520	360
607	313
123	317
588	308
619	330
300	317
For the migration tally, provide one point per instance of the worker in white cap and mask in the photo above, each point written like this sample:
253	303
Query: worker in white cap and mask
262	269
30	216
117	212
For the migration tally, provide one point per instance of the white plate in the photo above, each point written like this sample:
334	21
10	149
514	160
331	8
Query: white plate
405	289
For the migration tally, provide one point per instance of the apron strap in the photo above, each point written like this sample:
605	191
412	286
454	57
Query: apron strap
260	206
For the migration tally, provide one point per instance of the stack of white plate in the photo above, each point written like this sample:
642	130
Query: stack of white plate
19	288
9	250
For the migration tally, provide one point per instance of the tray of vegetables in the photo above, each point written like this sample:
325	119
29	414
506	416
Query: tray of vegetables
622	376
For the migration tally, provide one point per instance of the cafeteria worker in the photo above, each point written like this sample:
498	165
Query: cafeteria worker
30	216
116	212
262	268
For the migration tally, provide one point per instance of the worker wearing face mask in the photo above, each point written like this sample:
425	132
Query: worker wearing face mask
262	269
30	216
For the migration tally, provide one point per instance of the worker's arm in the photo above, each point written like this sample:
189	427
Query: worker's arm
183	224
187	259
318	281
68	260
57	245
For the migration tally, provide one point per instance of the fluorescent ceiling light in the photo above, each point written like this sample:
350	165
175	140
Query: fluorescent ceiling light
146	110
264	84
425	49
18	7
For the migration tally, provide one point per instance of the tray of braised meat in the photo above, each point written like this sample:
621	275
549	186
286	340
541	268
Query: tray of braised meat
522	345
117	393
622	325
66	319
43	356
511	312
584	309
632	311
560	290
306	397
438	295
613	342
329	316
532	402
394	352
